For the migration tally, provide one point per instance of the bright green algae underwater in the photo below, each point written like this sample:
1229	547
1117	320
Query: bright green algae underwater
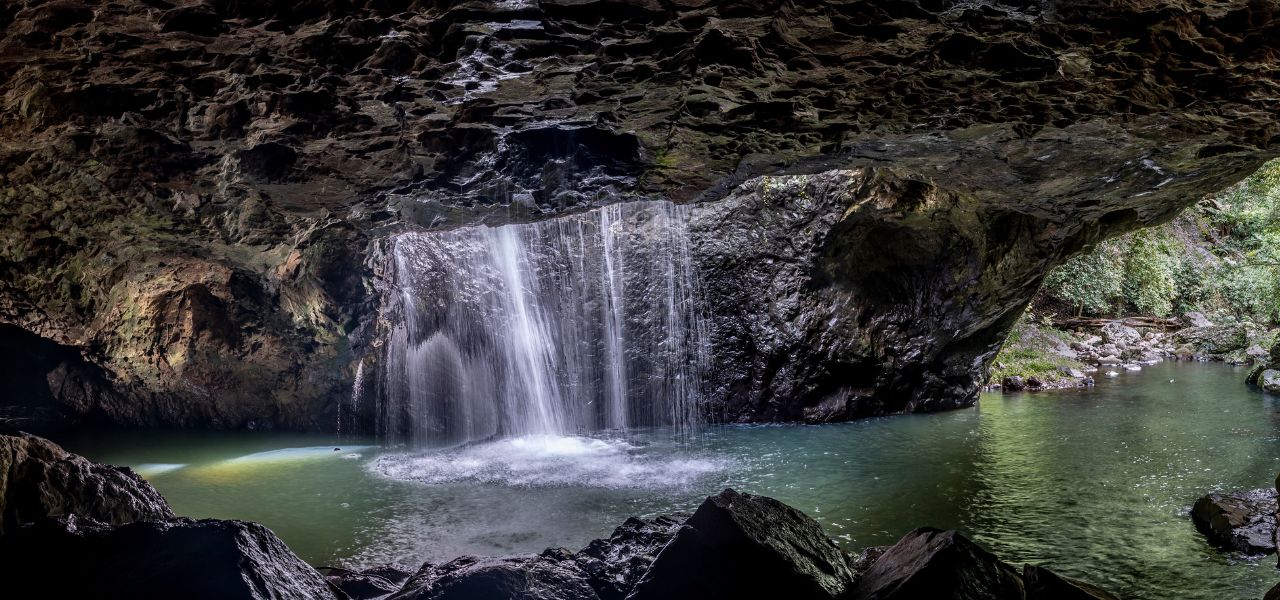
1094	483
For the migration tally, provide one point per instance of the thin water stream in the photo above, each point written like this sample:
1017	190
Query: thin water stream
1095	483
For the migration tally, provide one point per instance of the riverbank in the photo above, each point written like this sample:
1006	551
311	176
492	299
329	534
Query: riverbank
1043	354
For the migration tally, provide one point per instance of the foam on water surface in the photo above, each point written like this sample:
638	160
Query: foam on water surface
551	461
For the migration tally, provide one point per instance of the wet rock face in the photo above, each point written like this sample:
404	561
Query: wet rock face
615	565
176	558
739	546
1243	521
38	480
929	563
190	191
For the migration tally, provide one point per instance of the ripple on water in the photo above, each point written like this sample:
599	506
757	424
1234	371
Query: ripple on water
551	461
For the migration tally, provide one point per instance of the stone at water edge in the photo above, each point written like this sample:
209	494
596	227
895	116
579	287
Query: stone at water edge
1243	521
1273	593
938	565
615	565
1269	381
552	575
744	546
1214	341
1043	584
606	569
376	582
39	479
1013	383
72	557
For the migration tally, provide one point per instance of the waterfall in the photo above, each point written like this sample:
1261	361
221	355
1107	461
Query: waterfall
564	326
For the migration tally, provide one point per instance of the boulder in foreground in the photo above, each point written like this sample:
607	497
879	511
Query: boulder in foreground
1043	584
744	546
939	565
39	479
1242	521
553	575
73	557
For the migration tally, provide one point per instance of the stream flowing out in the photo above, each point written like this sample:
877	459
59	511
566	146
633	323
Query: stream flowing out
1095	483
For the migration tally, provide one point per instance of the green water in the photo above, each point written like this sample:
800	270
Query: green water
1095	483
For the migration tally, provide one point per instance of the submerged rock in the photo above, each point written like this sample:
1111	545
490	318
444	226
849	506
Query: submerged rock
1243	521
742	546
939	565
39	479
177	558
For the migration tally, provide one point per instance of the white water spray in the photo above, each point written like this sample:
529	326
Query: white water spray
565	326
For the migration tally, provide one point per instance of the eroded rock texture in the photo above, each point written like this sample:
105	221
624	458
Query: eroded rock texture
1243	520
191	190
39	480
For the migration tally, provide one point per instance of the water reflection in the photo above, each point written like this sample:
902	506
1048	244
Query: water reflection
1096	483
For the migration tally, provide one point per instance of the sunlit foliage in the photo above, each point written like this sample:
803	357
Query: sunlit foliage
1221	257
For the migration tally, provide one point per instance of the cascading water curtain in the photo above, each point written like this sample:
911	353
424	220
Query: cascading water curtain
565	326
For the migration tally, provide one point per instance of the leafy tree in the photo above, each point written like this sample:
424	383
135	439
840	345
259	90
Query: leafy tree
1149	268
1220	257
1090	282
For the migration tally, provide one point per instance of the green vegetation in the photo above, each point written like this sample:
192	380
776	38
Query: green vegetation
1221	257
1034	350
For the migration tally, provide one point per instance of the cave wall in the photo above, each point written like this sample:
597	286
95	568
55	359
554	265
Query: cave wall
193	193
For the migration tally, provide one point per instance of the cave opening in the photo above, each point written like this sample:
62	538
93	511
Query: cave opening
36	372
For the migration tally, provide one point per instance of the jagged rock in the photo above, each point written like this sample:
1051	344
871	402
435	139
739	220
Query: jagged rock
1215	340
1269	380
941	565
1119	333
1196	319
39	479
615	565
867	558
163	181
553	575
1043	584
1013	383
742	546
1243	521
369	584
177	558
